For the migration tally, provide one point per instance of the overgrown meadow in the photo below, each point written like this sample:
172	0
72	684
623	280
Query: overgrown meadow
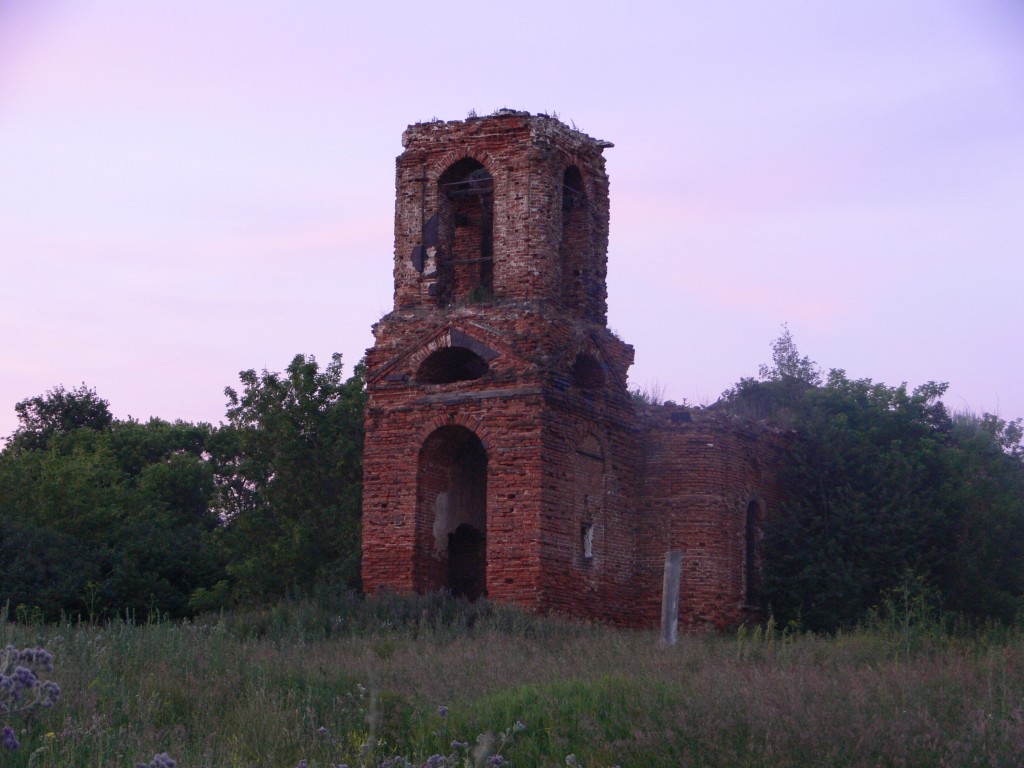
432	681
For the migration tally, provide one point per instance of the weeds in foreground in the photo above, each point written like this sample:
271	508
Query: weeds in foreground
22	691
272	687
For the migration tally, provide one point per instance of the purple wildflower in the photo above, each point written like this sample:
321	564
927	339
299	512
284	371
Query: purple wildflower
35	657
25	677
51	693
8	739
162	760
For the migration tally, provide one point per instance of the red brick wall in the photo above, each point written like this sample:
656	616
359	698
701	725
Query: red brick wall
565	450
527	157
701	471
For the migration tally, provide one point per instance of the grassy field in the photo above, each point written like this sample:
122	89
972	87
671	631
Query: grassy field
352	683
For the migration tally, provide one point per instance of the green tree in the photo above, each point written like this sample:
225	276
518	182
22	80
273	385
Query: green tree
58	412
108	521
290	478
788	364
880	483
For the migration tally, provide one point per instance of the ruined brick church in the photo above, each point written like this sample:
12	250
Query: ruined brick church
504	456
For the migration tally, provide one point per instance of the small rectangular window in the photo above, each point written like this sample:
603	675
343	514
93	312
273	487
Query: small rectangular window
587	537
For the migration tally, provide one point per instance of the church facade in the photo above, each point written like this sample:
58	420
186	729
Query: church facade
504	456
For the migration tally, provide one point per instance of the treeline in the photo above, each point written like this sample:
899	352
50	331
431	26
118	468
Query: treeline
889	499
888	496
101	517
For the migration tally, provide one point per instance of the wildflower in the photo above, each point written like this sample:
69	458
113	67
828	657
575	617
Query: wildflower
17	675
302	764
51	693
34	657
442	711
162	760
25	676
519	726
323	731
8	739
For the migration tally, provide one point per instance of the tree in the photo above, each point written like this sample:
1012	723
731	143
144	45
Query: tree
114	521
788	364
880	483
290	477
777	392
58	412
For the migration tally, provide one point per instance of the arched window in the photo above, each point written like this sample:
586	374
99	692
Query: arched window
752	581
588	492
572	248
465	262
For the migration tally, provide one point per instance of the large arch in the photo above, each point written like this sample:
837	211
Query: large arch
451	494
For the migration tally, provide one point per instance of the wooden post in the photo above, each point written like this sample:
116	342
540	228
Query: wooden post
670	597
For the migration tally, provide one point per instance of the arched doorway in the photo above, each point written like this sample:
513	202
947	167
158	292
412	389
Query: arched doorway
452	498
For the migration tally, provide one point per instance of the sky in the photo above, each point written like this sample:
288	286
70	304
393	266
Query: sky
196	188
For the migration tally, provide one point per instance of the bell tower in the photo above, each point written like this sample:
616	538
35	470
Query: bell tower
507	207
498	456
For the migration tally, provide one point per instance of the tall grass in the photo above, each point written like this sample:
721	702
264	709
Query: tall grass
341	680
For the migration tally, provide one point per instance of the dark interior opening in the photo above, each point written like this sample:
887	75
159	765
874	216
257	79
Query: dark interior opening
467	562
587	372
451	364
572	248
751	585
465	242
452	493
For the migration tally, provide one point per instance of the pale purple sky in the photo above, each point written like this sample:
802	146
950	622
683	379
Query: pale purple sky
192	188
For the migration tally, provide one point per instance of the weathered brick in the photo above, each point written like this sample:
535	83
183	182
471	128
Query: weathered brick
504	455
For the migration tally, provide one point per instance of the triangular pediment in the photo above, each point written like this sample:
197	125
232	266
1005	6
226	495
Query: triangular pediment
475	338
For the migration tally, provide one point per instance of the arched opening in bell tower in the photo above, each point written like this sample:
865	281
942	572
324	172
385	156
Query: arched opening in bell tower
572	248
452	520
465	261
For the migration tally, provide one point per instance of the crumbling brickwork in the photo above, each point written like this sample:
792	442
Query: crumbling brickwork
504	456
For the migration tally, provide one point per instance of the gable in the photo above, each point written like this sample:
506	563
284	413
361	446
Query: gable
462	345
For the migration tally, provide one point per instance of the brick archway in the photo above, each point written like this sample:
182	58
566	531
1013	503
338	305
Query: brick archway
451	519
